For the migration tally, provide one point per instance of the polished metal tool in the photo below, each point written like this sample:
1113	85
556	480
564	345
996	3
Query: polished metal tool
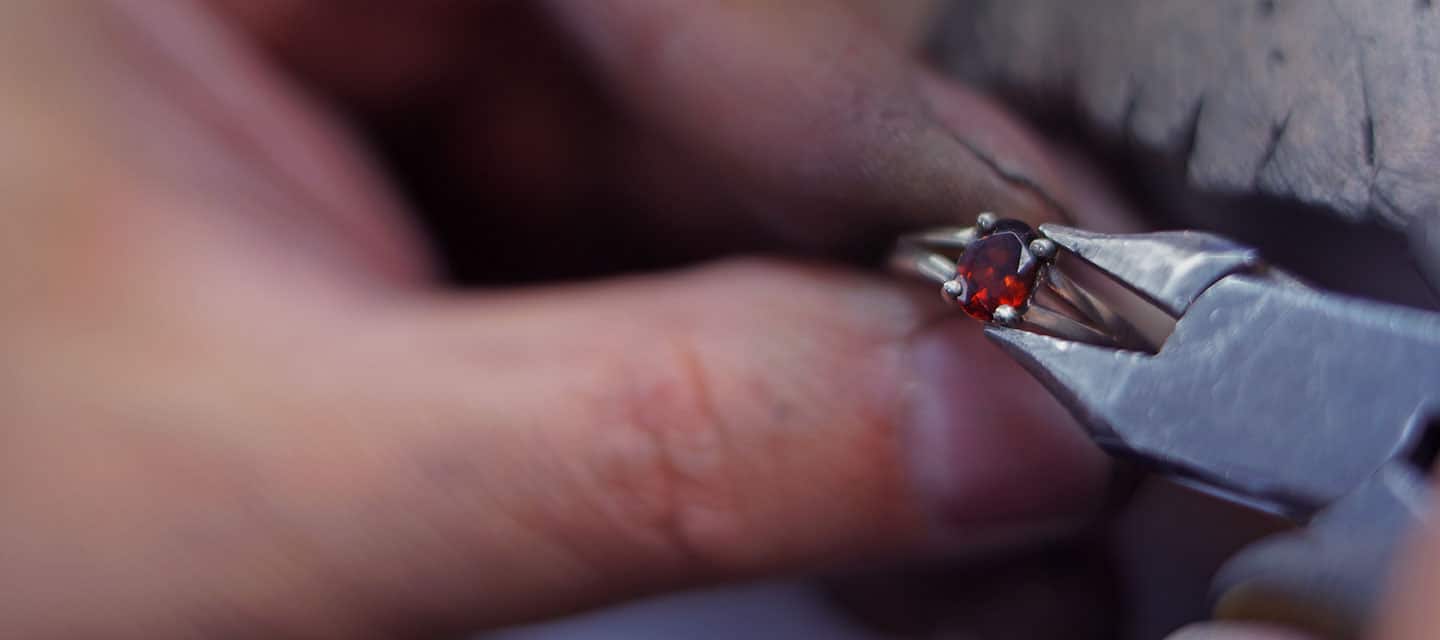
1319	407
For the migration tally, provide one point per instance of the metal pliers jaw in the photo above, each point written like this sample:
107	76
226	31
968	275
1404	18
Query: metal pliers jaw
1316	406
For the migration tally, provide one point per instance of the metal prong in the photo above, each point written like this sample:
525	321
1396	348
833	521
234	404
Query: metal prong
911	259
1006	316
1044	248
1049	322
985	222
1169	269
1097	312
953	291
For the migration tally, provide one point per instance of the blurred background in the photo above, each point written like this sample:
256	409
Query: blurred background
1303	128
1288	125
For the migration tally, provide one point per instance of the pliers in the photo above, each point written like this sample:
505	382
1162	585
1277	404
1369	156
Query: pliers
1322	408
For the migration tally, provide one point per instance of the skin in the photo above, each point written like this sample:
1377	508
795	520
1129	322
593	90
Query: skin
239	401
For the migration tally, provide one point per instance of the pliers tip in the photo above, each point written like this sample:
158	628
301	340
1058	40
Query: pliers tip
1169	268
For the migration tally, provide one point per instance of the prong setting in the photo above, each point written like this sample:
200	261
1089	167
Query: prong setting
1006	316
985	222
1044	249
953	291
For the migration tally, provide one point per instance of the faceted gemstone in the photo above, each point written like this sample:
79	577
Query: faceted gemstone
998	269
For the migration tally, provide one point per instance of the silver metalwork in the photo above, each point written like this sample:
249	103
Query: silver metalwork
911	257
953	290
985	222
1044	248
1319	407
1043	320
1007	316
1168	268
932	255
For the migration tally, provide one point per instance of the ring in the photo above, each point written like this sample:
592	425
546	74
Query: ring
1001	271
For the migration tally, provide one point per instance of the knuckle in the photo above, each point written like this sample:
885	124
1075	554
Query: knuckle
671	472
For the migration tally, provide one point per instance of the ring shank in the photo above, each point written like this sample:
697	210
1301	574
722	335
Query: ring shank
1080	316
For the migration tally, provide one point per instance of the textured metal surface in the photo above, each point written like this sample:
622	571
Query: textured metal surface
1280	393
1272	394
1168	268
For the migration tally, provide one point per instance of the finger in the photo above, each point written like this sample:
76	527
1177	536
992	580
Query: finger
822	129
1237	631
1058	590
562	449
753	126
1409	612
155	100
904	23
371	52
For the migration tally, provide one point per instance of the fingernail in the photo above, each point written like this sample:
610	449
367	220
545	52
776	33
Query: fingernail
1237	631
990	447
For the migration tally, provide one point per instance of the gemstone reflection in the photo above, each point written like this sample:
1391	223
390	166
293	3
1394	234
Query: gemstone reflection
998	269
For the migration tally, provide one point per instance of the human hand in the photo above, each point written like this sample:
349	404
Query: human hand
237	401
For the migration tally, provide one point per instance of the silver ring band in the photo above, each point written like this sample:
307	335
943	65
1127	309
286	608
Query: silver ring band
1053	303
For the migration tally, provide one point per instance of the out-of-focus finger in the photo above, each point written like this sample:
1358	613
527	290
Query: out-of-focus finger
1410	612
1060	589
1237	631
823	128
565	448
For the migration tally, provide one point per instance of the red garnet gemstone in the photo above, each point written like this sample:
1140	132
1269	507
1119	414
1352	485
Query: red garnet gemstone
998	269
